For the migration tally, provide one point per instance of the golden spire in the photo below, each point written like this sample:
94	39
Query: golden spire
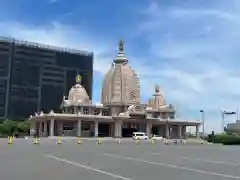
121	45
78	79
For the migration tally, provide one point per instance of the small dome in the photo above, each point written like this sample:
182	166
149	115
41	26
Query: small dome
121	84
157	100
77	93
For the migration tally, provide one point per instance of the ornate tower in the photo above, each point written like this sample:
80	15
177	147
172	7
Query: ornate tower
121	85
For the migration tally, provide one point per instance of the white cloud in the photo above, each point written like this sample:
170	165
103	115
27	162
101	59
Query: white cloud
60	35
201	66
196	55
198	13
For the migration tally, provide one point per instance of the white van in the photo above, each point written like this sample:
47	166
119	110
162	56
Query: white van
139	135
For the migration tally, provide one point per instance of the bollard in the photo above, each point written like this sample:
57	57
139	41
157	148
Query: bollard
153	139
36	140
99	141
79	140
137	140
10	140
59	140
166	142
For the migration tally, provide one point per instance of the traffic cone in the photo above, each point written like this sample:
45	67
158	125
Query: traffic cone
99	141
36	140
166	142
137	141
154	139
79	140
59	141
10	140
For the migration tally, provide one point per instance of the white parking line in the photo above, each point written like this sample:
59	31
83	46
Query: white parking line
87	167
172	166
202	160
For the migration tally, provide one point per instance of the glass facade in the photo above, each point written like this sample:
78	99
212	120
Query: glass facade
5	64
34	78
3	90
52	96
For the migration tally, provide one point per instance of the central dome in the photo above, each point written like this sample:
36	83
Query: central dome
77	93
121	84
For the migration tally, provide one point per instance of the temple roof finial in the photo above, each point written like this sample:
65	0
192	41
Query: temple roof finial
120	56
78	79
121	45
157	88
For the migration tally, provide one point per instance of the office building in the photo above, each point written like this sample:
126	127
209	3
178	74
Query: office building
35	77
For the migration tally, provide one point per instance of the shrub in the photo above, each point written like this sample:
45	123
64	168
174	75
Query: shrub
220	138
9	127
234	140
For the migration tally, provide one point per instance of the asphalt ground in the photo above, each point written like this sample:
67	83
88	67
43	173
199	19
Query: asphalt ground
109	161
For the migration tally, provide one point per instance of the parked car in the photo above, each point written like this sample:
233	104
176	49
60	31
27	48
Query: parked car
139	135
157	137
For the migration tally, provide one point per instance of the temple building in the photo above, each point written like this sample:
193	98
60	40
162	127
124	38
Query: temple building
120	113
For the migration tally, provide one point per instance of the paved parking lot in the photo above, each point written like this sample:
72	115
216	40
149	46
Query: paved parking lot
110	161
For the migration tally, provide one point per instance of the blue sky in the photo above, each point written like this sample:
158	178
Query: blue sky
190	48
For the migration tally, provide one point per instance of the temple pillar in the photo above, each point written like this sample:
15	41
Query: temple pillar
197	132
79	128
96	129
184	131
118	128
167	130
180	131
45	128
149	129
60	128
52	127
40	129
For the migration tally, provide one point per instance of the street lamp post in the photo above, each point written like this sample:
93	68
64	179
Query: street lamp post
223	113
203	122
222	121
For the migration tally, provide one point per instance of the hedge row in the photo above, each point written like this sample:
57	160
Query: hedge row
225	139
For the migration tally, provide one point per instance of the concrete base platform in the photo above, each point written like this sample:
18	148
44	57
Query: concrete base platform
109	160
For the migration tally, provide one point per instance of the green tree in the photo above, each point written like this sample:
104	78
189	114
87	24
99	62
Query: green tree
10	127
3	130
23	126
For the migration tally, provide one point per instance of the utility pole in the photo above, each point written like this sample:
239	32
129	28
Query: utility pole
203	122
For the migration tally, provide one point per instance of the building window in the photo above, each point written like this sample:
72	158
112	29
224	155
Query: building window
72	110
105	113
86	127
164	115
96	112
149	115
85	110
171	115
79	109
155	115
